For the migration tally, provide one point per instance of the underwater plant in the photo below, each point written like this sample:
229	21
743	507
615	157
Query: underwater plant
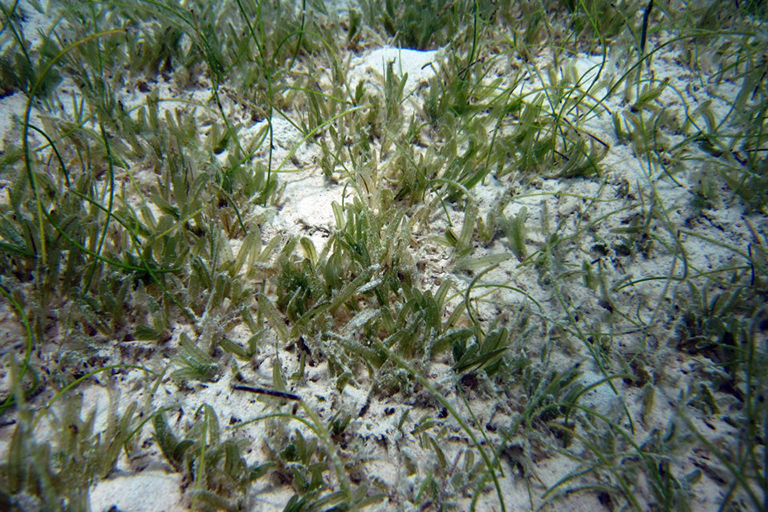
529	272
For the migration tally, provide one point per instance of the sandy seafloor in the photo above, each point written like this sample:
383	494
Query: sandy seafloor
145	482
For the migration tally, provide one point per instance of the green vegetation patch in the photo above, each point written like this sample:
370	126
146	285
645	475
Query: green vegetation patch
240	247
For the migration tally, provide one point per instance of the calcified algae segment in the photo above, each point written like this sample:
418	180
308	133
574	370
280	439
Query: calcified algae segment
429	255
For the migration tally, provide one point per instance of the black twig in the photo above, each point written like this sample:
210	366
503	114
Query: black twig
270	392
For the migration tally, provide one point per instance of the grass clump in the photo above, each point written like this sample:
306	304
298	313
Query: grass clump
549	247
